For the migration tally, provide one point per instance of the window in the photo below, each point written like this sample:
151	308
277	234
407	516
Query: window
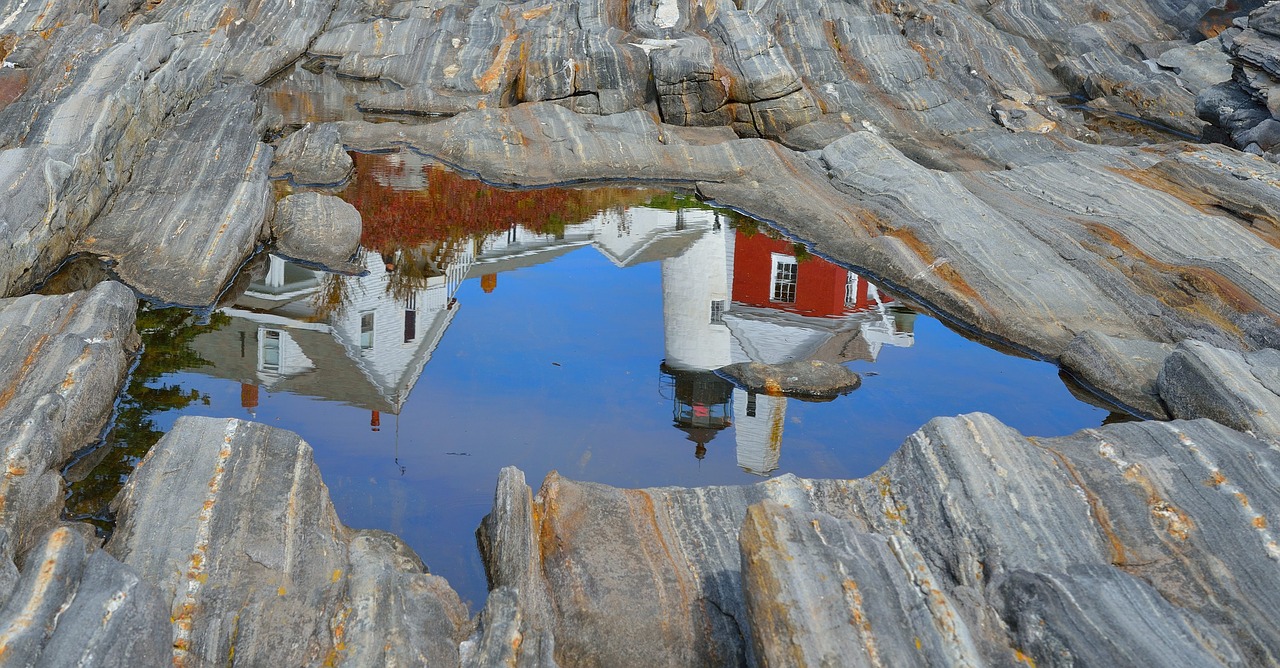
269	349
366	331
783	287
851	290
410	325
717	312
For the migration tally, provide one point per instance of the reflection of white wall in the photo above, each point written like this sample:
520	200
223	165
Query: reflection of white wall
279	355
757	424
390	360
774	341
690	283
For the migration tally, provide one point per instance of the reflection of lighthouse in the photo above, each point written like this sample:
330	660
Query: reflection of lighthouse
695	295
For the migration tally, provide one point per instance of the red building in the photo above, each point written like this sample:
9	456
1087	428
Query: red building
774	273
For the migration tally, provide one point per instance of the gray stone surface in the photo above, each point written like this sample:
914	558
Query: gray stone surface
1241	391
231	522
62	360
194	208
804	379
76	606
312	156
1124	369
317	228
974	544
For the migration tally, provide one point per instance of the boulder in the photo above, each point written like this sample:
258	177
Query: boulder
812	380
974	544
194	208
74	605
316	228
1241	391
1125	370
313	156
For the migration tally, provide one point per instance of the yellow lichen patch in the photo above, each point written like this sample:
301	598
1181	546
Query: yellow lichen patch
1244	500
1259	522
772	388
1023	658
536	12
337	575
492	77
1216	479
280	591
859	620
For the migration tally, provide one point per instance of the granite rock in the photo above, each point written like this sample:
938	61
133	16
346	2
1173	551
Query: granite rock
813	380
1241	391
974	544
63	359
1125	370
232	523
312	156
76	606
321	229
195	207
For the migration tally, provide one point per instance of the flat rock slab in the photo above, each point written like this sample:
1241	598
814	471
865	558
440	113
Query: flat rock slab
62	361
973	545
316	228
231	522
813	380
195	207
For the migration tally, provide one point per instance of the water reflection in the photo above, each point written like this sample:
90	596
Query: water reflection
577	330
731	292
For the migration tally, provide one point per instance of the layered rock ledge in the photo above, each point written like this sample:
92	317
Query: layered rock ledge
1146	543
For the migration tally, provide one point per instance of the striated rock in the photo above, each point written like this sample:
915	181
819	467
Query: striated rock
813	380
1124	369
92	103
974	545
1241	391
312	156
322	229
194	208
820	591
76	606
231	522
62	361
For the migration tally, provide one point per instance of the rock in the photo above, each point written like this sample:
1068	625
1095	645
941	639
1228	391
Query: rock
313	156
792	559
322	229
1198	66
76	606
1241	391
813	380
973	544
1123	369
63	359
181	241
1019	117
231	522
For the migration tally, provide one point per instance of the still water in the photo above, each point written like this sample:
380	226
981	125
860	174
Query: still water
574	330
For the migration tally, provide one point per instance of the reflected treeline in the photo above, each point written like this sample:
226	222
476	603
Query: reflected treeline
167	334
407	202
